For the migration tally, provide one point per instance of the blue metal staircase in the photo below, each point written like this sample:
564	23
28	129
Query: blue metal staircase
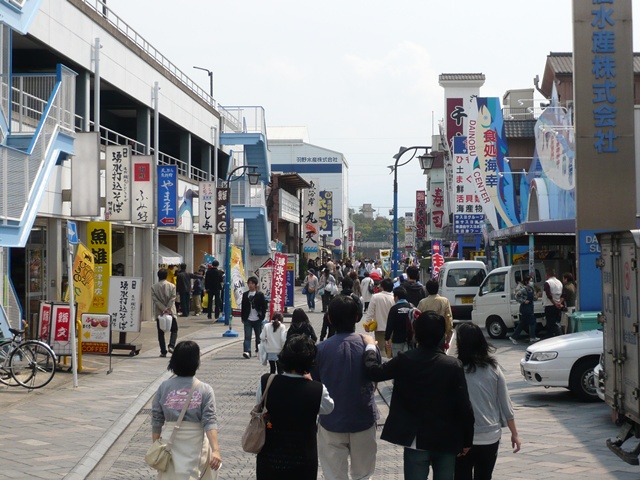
36	141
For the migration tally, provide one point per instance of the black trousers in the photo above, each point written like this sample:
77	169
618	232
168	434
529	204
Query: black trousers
552	314
478	463
215	298
172	338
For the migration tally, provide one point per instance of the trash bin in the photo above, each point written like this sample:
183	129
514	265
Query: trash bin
583	321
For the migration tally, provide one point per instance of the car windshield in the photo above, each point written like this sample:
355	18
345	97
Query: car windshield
493	283
465	277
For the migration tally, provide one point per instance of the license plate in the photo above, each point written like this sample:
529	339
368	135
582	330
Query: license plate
466	299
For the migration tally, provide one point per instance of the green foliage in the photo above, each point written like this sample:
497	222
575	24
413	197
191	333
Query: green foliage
378	229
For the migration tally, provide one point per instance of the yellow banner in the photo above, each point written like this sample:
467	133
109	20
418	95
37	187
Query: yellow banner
99	241
385	261
238	286
83	280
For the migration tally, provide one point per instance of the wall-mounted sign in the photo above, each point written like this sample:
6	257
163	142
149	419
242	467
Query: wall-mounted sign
222	203
167	196
118	182
142	189
207	207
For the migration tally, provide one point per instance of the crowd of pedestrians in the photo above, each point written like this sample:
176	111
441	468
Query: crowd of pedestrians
449	400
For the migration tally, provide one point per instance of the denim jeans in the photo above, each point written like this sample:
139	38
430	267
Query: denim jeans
478	463
416	464
250	327
311	300
526	320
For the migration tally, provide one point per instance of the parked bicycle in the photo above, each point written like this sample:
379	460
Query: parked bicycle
28	363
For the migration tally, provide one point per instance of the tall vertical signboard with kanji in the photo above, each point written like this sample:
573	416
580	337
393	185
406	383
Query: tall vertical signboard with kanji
278	284
325	212
142	189
421	215
118	182
222	210
603	94
99	242
468	215
167	196
125	296
207	207
311	222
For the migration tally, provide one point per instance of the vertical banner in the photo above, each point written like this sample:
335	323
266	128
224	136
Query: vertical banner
99	241
118	182
264	280
385	261
207	206
60	334
468	215
44	322
311	224
278	284
125	300
238	285
142	189
167	196
455	119
222	201
83	280
325	212
437	258
421	215
436	207
409	230
96	334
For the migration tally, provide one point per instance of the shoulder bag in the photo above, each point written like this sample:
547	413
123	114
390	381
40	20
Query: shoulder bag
159	454
254	435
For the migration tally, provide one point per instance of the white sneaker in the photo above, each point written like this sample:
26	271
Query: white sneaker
246	354
513	340
534	339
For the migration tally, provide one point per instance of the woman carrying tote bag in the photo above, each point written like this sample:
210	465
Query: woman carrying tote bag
194	451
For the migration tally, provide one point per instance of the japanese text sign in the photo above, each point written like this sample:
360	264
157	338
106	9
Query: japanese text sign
207	207
421	215
325	212
99	242
278	284
125	296
60	333
142	189
222	210
167	196
118	182
311	222
96	333
44	322
468	215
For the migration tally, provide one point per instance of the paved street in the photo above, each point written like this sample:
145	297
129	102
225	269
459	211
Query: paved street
103	426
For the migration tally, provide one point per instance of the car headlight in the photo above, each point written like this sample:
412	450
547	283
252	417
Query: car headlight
543	356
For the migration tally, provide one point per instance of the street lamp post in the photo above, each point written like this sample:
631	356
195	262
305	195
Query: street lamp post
426	162
210	73
254	178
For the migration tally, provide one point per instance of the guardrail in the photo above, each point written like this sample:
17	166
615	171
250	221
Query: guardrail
100	6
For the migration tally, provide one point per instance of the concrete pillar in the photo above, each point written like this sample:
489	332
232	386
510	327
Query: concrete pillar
185	151
83	98
206	160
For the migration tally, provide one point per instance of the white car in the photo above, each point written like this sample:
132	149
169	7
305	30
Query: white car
565	361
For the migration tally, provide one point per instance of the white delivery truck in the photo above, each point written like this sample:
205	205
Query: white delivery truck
620	252
458	281
495	306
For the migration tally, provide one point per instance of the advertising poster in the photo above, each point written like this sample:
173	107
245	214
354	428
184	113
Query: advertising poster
207	207
142	189
311	222
238	285
278	284
167	196
421	215
118	182
385	261
100	243
437	258
96	334
125	296
83	280
325	212
60	334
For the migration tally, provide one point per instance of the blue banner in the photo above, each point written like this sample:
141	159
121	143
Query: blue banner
167	196
589	276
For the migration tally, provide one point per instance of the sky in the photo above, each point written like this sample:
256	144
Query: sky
362	76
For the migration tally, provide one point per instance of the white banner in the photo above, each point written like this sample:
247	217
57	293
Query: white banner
118	182
207	207
143	180
311	221
125	297
409	232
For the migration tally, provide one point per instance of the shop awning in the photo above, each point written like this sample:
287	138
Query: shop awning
166	256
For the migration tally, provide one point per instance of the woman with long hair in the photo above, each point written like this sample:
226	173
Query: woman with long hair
273	337
300	325
491	404
195	448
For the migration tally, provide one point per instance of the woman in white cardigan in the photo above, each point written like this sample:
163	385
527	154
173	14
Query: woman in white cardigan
273	336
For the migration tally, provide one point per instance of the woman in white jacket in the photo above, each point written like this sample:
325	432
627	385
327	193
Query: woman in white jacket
273	336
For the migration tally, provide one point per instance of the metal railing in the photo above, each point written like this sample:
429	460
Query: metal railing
101	8
252	118
245	195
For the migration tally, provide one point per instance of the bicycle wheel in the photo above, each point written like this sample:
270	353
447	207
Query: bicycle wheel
6	378
32	364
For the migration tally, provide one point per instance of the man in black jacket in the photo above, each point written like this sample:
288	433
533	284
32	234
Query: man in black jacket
415	290
430	414
396	334
213	286
253	311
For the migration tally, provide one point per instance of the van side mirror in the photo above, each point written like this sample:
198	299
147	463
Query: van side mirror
479	292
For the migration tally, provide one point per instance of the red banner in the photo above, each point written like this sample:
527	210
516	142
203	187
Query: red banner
278	284
44	327
421	215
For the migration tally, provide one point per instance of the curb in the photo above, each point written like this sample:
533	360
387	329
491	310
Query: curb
95	454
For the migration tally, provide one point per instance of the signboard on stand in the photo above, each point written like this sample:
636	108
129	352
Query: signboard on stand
96	334
60	329
44	322
125	296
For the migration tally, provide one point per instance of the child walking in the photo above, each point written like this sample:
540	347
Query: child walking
274	335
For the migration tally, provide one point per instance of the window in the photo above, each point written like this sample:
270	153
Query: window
519	273
494	283
465	277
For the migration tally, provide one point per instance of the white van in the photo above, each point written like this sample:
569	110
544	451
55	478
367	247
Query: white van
458	282
495	306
